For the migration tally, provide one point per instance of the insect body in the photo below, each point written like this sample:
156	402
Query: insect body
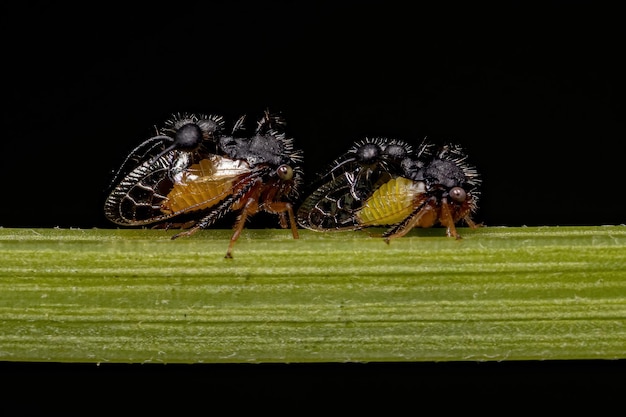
391	203
396	187
351	179
191	174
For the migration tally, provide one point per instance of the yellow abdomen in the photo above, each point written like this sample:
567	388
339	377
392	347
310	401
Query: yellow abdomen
391	203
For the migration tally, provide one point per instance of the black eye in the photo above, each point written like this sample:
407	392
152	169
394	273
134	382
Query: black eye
458	194
284	172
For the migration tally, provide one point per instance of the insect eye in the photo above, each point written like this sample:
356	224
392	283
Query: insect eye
458	194
284	172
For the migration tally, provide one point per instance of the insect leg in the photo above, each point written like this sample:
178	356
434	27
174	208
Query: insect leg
423	211
445	218
282	220
210	218
249	208
280	208
471	223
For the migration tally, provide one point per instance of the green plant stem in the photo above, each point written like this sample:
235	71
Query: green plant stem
136	296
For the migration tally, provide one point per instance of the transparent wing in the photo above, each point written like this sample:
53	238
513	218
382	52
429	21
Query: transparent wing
340	194
137	195
146	151
171	185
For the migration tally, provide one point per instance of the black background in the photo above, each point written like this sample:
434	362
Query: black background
533	91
